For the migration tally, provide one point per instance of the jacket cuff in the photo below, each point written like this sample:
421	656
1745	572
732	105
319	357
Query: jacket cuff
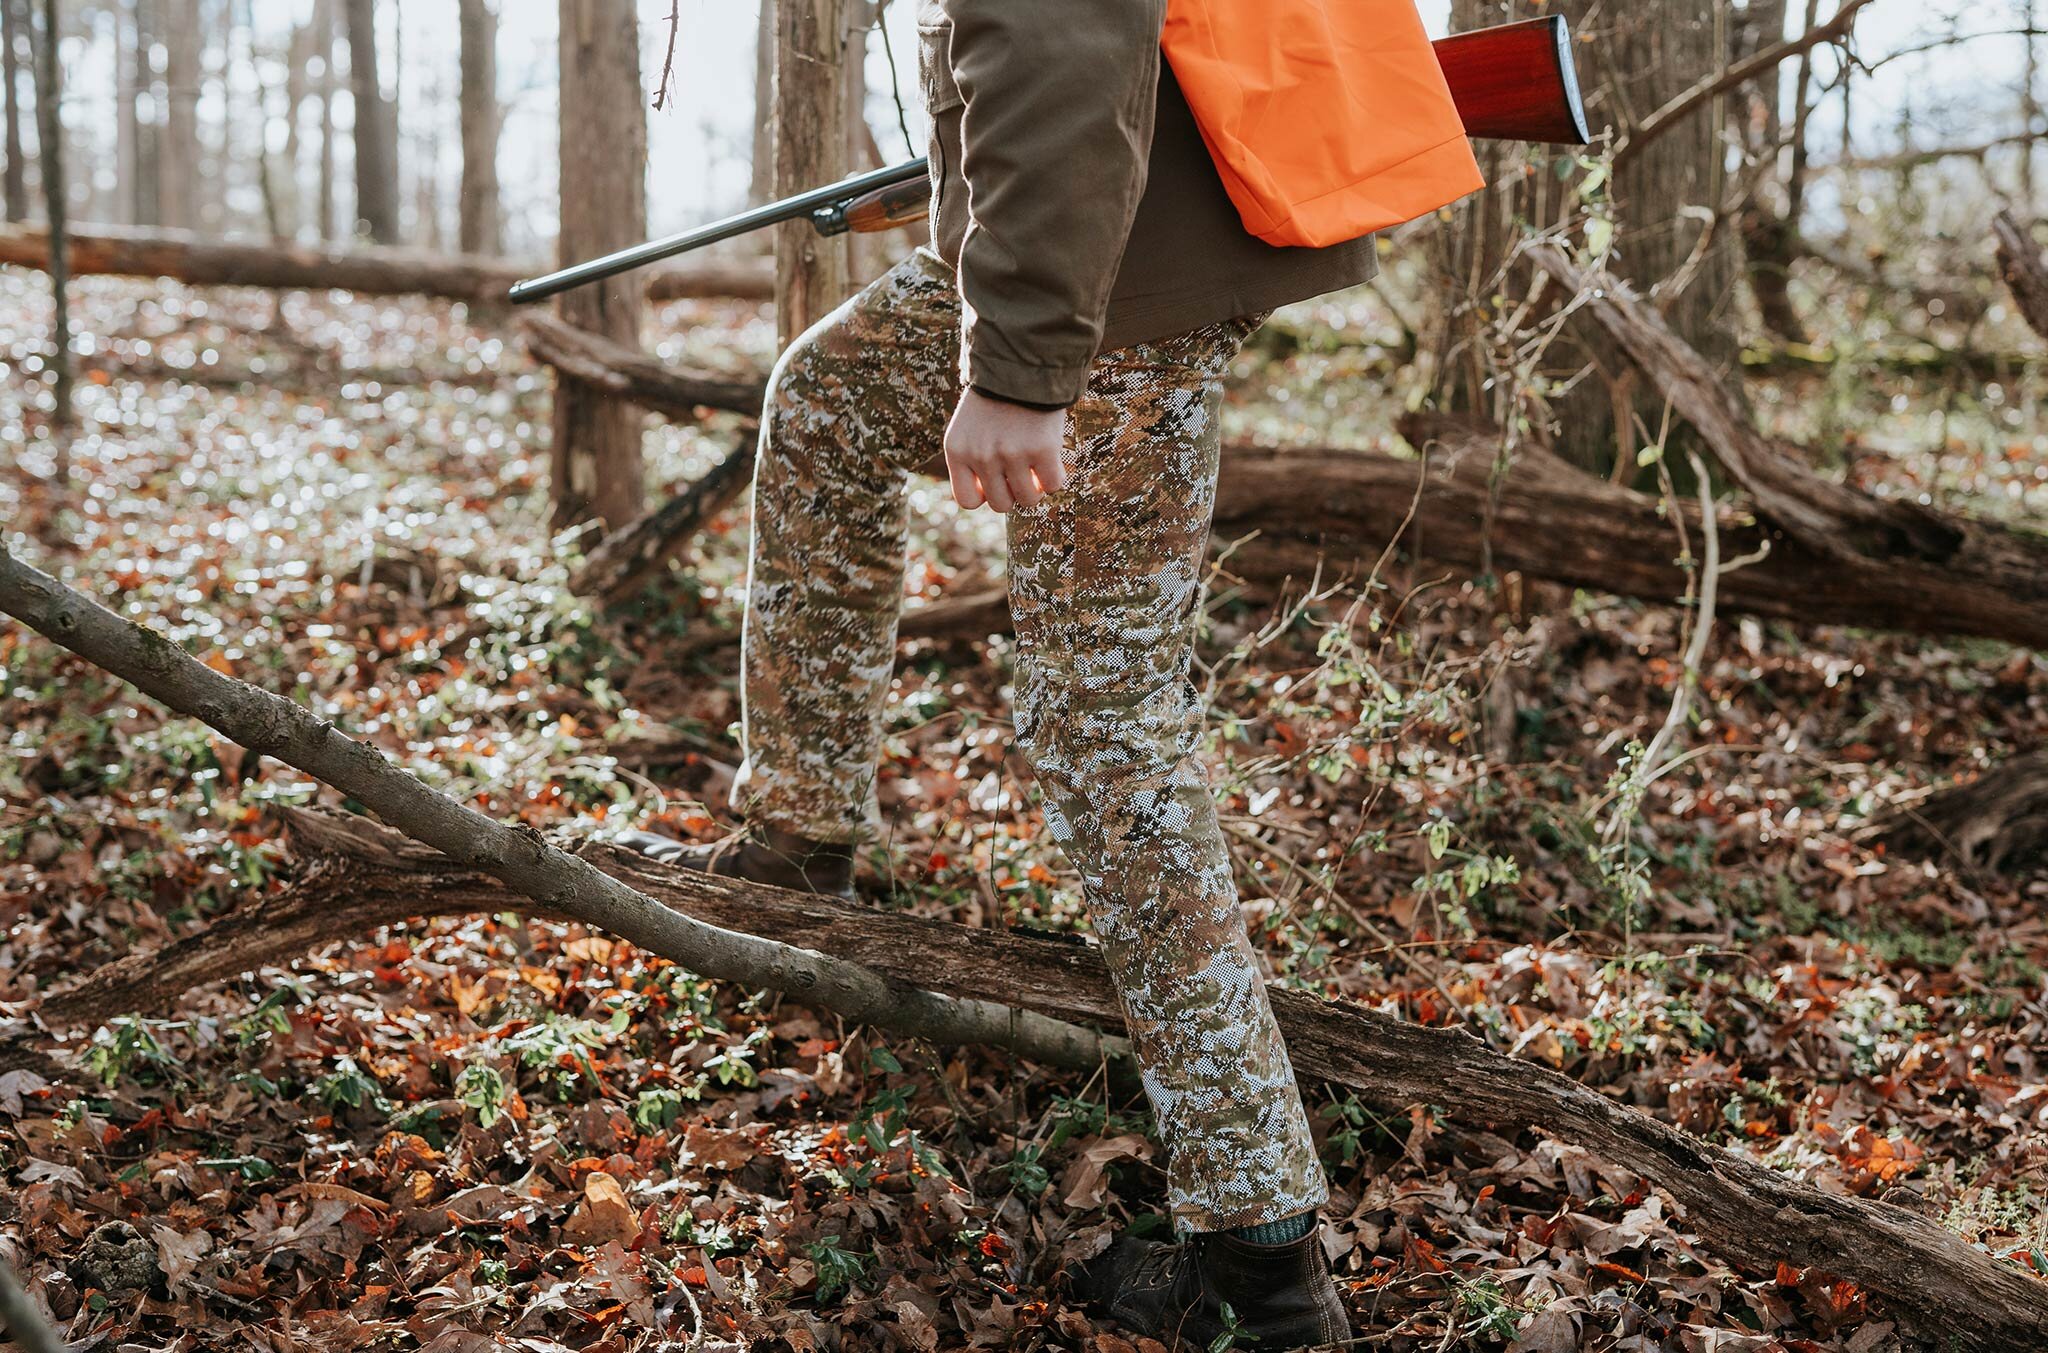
1020	403
1047	387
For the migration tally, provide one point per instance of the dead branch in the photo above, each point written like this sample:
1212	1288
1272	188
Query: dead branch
2025	269
520	857
1913	555
1675	110
633	375
1291	511
1996	822
197	261
629	557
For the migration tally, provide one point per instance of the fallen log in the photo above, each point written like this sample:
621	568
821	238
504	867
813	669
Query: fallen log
1938	573
518	857
366	270
360	874
954	983
1287	511
644	379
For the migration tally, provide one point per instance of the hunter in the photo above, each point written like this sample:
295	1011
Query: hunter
1108	228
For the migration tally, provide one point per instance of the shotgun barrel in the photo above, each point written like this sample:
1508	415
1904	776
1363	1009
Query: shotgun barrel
1513	82
825	208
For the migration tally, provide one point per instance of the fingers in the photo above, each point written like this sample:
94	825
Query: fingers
966	487
1049	469
995	486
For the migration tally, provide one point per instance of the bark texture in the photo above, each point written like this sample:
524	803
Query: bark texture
370	271
50	157
813	273
376	128
178	169
479	229
596	466
13	176
1927	1277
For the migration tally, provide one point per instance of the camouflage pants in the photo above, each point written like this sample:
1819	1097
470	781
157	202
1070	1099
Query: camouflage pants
1104	585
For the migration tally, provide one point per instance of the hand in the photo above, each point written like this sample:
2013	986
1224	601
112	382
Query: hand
1002	454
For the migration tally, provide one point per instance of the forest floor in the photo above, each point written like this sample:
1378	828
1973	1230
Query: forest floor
492	1133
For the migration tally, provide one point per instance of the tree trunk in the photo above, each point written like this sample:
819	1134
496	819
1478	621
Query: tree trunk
761	169
596	464
50	155
324	222
178	165
479	210
376	132
368	271
1633	59
813	273
14	179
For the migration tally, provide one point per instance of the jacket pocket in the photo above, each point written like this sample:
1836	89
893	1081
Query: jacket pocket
942	106
935	65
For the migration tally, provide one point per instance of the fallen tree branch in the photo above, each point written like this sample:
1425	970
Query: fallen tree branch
1995	822
613	367
629	557
1675	109
368	271
1987	578
1747	1213
519	857
2024	268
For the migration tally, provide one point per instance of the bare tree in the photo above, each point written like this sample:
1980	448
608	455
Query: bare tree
50	156
596	463
813	273
376	131
761	186
14	182
323	43
1670	237
177	164
480	229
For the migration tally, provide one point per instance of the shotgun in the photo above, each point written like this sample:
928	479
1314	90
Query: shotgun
1510	82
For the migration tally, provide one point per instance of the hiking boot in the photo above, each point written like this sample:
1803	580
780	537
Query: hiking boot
1279	1296
758	855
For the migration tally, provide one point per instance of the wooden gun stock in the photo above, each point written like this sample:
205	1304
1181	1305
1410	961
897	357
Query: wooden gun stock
1511	82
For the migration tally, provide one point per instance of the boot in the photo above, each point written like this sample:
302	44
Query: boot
1280	1296
759	855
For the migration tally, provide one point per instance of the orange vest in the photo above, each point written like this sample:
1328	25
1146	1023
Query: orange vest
1327	119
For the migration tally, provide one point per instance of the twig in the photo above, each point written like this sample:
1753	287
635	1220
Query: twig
1675	110
668	62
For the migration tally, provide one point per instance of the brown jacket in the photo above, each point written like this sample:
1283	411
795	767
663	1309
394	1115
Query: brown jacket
1075	198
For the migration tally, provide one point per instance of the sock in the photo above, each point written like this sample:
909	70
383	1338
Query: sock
1276	1232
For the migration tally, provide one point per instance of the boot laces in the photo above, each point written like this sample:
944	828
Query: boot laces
1158	1267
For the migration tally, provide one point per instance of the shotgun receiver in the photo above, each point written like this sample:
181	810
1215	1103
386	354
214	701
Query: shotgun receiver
1511	82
